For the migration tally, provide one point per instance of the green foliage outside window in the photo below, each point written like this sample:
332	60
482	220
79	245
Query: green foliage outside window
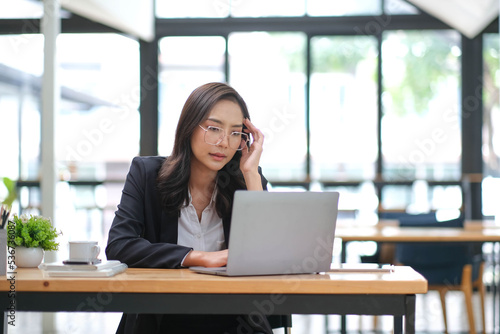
429	61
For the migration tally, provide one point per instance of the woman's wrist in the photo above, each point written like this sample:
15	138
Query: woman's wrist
193	258
253	180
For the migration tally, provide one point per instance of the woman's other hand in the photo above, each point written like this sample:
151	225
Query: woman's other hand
250	158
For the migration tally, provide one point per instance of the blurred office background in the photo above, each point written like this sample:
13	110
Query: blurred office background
391	102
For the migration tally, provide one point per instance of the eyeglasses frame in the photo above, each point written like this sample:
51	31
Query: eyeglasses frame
223	136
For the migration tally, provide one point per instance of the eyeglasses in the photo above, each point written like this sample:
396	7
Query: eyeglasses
214	136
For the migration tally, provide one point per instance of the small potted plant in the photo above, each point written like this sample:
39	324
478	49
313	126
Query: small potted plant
31	236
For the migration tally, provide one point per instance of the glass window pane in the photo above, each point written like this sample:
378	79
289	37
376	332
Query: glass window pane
185	63
261	8
21	9
268	70
395	197
9	114
491	118
357	202
192	8
23	52
421	122
21	65
399	7
491	126
343	8
343	108
446	198
224	8
490	193
102	99
420	197
95	95
93	64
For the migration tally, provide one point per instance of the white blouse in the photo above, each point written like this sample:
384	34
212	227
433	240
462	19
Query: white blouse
205	235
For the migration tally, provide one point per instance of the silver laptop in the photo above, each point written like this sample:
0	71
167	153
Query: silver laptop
280	233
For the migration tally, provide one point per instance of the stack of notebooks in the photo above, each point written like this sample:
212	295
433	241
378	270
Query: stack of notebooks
102	269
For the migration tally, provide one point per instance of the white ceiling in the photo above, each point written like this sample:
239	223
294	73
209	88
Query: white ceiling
470	17
130	16
135	17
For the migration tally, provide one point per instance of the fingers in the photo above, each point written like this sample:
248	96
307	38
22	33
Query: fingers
257	135
217	259
250	158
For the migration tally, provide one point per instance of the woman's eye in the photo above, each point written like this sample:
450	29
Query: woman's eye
236	134
214	129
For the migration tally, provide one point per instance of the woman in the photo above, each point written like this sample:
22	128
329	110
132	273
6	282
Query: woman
175	211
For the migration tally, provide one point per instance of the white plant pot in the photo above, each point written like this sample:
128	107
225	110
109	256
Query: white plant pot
28	257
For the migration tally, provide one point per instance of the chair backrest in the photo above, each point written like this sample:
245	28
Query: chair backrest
428	220
402	214
438	262
419	220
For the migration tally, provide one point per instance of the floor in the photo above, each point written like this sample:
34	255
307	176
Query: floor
429	320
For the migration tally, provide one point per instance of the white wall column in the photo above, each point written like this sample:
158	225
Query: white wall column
50	27
51	92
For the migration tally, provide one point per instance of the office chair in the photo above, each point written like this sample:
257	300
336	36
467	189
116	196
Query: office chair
446	266
385	252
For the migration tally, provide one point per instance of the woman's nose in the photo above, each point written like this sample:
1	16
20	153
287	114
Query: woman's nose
225	141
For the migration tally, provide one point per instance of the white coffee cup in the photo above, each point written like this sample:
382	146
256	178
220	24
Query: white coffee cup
83	250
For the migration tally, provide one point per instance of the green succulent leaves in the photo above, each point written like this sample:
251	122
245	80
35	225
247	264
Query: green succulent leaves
33	231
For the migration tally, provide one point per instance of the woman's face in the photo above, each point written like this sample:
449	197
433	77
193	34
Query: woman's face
226	115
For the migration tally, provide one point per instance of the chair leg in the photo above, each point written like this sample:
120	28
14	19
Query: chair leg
467	290
375	323
442	296
479	285
483	312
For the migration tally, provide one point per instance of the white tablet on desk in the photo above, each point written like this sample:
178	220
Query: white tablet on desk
362	268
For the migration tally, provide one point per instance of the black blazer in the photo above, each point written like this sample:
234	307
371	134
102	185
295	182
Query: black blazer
143	235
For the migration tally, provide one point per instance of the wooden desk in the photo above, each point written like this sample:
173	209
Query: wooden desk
389	231
417	234
182	291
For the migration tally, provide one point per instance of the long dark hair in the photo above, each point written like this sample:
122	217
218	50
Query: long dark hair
175	171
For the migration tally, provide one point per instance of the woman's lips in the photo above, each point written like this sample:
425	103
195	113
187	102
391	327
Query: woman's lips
218	156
